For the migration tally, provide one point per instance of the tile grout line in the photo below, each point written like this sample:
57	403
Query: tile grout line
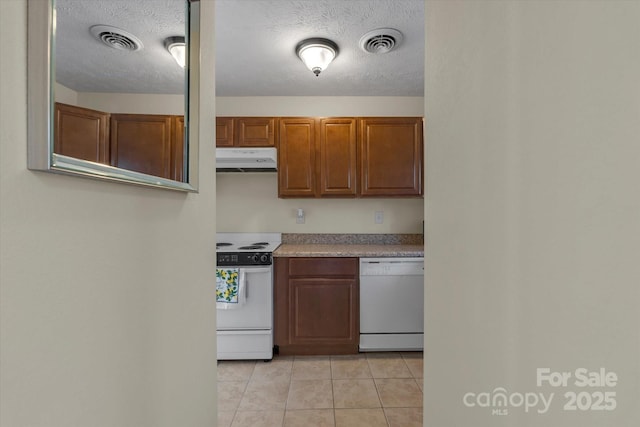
375	384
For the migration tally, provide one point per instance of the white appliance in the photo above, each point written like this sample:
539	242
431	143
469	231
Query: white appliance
391	304
246	332
246	159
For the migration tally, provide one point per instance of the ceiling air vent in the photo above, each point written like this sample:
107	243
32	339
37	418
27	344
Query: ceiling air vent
382	40
116	37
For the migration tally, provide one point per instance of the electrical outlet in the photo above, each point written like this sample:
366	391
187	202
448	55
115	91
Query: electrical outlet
300	217
378	217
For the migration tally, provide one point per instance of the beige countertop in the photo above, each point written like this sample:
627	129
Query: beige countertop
348	250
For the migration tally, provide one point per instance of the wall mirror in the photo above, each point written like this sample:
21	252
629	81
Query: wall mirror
106	97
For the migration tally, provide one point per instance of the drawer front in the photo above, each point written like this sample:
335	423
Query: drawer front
323	267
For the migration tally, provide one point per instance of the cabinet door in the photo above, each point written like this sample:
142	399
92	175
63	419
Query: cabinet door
316	305
323	311
255	131
297	158
177	160
391	156
224	131
81	133
337	153
142	143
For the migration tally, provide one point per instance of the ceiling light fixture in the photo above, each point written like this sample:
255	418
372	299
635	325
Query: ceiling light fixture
176	47
317	53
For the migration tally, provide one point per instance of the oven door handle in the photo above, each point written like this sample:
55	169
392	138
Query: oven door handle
245	271
250	270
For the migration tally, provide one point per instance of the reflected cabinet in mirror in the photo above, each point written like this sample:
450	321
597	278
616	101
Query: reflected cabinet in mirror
113	90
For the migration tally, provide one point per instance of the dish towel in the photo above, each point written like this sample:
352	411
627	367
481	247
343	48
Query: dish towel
229	288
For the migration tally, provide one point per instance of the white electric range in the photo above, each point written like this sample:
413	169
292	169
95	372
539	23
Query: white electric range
245	329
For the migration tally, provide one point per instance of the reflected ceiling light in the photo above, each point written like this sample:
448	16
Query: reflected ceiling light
176	47
317	53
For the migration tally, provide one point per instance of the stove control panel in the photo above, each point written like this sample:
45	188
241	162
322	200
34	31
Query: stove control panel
238	259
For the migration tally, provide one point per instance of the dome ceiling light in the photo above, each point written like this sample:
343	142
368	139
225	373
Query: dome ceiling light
176	47
317	53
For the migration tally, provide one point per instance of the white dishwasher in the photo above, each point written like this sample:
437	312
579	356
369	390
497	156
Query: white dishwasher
391	304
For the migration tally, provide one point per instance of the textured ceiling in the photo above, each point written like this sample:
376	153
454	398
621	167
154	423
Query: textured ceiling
255	47
84	64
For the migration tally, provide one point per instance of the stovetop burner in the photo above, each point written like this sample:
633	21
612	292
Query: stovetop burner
252	247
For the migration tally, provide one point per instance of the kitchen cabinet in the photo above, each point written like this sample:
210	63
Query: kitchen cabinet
297	157
146	143
316	305
337	166
224	131
349	157
81	133
391	156
151	144
246	131
177	160
317	157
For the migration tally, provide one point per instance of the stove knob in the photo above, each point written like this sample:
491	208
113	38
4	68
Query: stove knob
255	258
264	258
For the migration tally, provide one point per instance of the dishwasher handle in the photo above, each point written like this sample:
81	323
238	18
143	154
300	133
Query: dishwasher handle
413	266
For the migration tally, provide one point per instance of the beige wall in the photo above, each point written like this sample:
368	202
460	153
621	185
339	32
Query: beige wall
64	94
332	106
533	206
125	103
105	289
132	103
249	201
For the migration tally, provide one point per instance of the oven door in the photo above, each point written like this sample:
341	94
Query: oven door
257	310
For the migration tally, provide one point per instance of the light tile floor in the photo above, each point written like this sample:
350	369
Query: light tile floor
368	389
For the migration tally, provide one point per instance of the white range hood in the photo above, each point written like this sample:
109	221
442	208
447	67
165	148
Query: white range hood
247	159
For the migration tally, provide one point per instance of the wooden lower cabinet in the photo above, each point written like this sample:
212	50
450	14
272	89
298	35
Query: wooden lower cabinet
81	133
316	306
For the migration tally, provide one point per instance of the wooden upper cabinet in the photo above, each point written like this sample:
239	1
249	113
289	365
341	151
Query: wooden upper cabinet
224	131
297	157
142	143
246	131
255	131
349	157
391	156
337	171
81	133
178	149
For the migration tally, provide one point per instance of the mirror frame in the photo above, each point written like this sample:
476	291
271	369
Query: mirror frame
40	103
